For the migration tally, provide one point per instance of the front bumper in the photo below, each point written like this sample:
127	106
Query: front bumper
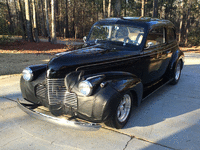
75	123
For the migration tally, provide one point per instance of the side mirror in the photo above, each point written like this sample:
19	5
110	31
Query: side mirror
149	44
84	39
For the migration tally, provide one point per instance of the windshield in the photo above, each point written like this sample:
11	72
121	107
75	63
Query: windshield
117	33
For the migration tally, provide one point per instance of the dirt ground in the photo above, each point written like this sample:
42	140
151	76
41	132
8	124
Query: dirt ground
16	56
25	47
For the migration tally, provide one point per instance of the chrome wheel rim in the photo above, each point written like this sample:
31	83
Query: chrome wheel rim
124	108
178	71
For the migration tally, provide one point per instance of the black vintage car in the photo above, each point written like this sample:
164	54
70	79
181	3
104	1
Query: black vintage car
122	62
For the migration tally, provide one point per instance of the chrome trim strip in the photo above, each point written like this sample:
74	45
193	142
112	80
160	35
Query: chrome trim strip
62	122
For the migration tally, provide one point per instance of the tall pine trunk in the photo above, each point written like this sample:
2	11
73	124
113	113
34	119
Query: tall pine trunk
35	29
21	19
125	8
53	23
43	18
17	14
47	21
104	8
66	20
11	29
181	23
188	22
117	8
142	9
28	22
73	20
155	8
109	8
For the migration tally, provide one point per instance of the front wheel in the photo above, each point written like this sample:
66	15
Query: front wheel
176	73
121	111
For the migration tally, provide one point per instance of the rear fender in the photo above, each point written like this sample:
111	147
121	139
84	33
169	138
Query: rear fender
177	55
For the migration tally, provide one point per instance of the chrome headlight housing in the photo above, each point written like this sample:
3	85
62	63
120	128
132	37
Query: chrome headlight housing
27	74
85	87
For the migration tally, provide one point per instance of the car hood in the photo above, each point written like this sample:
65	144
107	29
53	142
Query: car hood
69	61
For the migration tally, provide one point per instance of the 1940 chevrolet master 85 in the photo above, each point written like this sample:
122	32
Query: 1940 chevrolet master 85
122	62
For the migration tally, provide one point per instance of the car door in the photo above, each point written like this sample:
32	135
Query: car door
155	55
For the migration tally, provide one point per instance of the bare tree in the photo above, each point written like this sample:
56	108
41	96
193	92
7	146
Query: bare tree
125	3
35	29
188	21
104	8
28	22
47	20
10	19
142	9
181	22
21	19
66	33
109	8
43	18
155	8
117	8
53	23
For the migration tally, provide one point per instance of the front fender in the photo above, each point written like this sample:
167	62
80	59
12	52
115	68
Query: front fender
38	70
134	85
115	83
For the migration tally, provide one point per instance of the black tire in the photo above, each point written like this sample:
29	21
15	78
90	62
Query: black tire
176	73
121	112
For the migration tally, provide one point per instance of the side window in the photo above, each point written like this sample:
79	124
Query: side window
171	36
155	37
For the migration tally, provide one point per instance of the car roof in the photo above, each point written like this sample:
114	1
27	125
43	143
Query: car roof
138	21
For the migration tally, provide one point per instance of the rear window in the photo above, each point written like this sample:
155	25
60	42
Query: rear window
156	36
171	36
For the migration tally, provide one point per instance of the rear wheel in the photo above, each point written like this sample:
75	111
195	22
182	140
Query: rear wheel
121	112
176	73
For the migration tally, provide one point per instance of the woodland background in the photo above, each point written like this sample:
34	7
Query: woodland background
33	19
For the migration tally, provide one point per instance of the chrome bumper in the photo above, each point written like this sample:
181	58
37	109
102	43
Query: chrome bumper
59	121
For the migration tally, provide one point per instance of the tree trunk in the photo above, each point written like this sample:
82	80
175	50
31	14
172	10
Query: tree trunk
23	28
125	8
188	22
66	20
17	14
73	19
28	22
109	8
35	29
61	19
47	20
43	22
142	9
104	8
53	23
56	15
155	8
11	29
97	14
181	23
117	8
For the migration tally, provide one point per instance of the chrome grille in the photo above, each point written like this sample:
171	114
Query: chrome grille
41	91
57	93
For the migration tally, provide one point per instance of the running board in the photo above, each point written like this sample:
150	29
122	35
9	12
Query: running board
157	89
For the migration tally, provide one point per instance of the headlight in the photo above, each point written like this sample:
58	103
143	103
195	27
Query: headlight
85	87
27	74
